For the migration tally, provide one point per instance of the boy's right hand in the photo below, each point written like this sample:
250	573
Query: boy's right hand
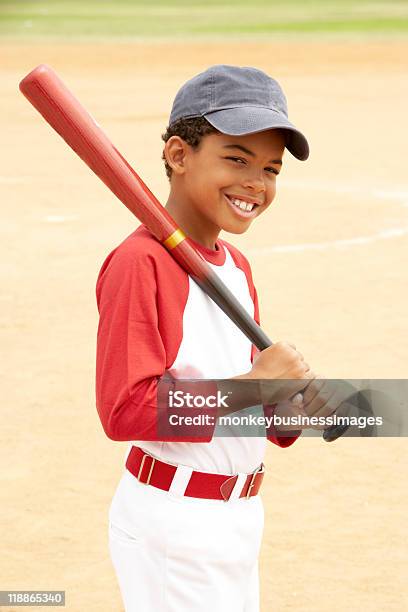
282	372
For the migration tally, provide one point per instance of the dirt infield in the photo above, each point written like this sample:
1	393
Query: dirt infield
328	261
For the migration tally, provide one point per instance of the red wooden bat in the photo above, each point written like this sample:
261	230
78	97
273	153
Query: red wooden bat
53	100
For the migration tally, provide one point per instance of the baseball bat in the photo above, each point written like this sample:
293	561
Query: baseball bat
48	94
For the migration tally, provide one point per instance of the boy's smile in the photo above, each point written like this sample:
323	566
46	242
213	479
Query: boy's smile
224	183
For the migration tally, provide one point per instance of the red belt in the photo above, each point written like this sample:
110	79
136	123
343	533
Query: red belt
150	470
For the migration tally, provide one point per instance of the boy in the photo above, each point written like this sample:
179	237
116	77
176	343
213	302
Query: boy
175	544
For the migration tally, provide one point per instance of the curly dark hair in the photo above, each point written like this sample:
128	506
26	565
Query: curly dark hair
191	129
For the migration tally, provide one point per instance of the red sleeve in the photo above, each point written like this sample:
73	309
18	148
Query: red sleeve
141	294
242	263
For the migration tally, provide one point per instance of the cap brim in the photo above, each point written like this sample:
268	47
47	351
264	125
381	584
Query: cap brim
251	119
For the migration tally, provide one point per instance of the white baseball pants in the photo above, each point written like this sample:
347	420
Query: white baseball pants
179	554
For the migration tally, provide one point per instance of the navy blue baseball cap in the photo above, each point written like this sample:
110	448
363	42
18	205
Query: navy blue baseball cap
238	101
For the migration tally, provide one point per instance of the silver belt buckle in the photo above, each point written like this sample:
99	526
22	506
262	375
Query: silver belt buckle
260	470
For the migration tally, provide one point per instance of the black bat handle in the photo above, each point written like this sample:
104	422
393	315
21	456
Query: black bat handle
222	296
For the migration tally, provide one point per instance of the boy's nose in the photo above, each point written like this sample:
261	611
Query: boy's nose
255	183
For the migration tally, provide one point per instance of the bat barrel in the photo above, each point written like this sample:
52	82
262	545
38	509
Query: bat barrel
66	115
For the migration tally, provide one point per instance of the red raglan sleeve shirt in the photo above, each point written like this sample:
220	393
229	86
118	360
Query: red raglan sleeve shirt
153	320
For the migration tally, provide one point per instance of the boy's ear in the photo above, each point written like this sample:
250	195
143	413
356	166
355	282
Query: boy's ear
175	151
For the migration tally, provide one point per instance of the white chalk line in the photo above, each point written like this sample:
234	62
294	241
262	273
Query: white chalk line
399	195
395	232
59	218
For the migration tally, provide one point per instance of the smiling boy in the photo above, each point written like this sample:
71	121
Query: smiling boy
223	184
186	520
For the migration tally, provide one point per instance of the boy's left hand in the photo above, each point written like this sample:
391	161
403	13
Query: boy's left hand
322	398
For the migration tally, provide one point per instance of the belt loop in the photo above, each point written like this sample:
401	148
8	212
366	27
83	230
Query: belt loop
153	461
180	480
259	470
237	490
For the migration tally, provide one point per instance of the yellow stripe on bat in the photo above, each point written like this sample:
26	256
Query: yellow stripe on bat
174	239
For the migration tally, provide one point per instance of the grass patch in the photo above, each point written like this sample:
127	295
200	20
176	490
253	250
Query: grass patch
164	18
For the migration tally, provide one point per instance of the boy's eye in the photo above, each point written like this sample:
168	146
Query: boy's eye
240	160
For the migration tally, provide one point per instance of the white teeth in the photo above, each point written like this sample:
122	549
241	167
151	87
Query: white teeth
243	205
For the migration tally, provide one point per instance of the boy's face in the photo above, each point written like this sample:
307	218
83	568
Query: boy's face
226	173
